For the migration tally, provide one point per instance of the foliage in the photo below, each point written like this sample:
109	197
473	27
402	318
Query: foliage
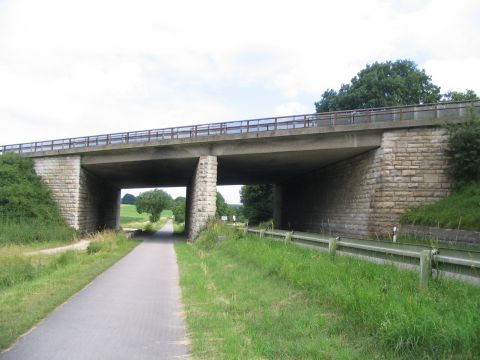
459	210
382	84
377	310
257	202
464	149
468	95
23	195
153	202
222	206
129	199
179	209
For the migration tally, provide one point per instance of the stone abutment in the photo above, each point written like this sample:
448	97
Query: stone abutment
366	194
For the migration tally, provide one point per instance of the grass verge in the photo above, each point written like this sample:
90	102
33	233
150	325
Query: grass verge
31	287
34	231
179	228
257	298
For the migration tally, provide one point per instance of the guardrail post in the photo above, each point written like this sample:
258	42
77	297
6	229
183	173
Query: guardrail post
288	236
332	246
262	233
425	268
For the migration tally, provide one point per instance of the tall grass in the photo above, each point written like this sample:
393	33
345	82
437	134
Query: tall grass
16	268
26	231
379	300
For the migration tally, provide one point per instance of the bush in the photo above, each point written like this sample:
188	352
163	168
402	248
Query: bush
464	149
23	195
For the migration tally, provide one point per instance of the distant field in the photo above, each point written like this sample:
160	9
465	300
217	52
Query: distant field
129	214
129	217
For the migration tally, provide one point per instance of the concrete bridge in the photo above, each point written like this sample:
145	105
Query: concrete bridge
349	172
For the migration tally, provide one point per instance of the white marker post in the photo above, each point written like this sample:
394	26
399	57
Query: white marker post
394	234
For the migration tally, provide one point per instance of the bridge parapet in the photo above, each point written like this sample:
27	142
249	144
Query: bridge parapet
439	111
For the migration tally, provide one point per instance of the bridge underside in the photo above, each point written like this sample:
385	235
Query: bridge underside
354	183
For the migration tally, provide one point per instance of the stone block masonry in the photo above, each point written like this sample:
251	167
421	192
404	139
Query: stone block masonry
202	195
365	195
86	203
62	175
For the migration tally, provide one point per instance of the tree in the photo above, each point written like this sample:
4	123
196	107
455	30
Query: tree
179	209
222	207
382	84
154	202
468	95
129	199
257	202
23	194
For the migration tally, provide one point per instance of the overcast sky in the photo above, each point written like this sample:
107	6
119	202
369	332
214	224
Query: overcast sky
72	68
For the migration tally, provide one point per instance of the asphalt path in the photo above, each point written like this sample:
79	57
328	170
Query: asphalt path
131	311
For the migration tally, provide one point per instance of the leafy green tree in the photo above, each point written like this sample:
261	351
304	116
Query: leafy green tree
179	209
222	206
23	195
382	84
464	150
468	95
129	199
257	202
154	202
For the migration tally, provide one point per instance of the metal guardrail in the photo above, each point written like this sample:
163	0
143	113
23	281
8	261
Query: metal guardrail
361	116
458	262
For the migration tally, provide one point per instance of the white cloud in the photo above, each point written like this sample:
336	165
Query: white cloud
83	67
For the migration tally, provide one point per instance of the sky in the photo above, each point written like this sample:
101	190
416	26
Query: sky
73	68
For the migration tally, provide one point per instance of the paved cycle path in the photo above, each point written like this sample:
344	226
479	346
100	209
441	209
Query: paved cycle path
131	311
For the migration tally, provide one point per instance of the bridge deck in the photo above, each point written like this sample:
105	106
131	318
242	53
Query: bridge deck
439	111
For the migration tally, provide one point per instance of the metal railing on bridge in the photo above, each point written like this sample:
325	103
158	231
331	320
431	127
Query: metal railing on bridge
328	119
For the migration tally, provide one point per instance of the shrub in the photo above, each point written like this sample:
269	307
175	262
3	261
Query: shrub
22	192
464	149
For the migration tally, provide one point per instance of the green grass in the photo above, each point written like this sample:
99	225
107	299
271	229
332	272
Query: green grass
130	218
179	228
34	231
31	287
258	298
129	214
459	210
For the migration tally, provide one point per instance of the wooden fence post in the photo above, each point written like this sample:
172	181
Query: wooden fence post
332	246
425	268
288	236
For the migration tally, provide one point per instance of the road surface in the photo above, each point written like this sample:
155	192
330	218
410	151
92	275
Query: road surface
131	311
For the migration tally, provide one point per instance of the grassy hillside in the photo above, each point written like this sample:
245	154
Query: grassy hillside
459	210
